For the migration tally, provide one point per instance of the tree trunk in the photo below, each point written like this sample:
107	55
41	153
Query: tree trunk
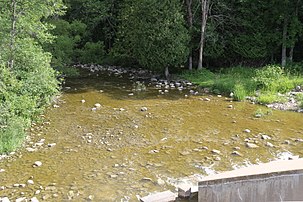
291	54
204	9
167	76
13	34
283	56
190	25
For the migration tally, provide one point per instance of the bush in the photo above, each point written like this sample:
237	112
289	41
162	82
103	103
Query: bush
239	92
92	53
267	76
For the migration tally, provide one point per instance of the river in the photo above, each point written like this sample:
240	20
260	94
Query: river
139	142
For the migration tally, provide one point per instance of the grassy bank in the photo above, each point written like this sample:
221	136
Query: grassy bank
266	84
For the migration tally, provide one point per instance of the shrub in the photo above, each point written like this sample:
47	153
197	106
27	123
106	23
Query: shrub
267	76
92	53
239	92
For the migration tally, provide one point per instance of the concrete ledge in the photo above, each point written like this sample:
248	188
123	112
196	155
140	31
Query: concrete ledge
274	181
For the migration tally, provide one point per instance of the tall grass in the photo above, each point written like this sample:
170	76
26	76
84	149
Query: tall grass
243	81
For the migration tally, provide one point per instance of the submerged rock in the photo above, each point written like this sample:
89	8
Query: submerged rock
37	164
251	145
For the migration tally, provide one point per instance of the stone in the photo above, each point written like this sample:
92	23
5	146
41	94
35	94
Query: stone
97	105
236	153
113	176
286	142
268	144
214	151
143	109
265	137
246	131
206	99
20	199
30	182
29	149
5	199
56	106
34	199
82	101
154	151
166	196
184	190
251	145
230	106
51	144
217	158
37	192
37	164
2	170
160	182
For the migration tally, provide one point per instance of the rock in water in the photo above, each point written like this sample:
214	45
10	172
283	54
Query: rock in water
251	145
37	164
97	105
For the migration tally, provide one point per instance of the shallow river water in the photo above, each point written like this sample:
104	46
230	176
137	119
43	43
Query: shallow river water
139	143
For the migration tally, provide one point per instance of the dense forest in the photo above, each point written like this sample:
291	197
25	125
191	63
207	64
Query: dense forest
41	39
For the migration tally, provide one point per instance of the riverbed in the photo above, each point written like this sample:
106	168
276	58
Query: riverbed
141	140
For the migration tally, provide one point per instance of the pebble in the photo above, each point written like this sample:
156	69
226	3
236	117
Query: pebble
29	149
56	106
160	182
217	158
37	192
113	176
206	99
37	164
268	144
2	170
20	199
30	182
154	151
51	144
34	199
251	145
230	106
286	142
265	137
5	199
97	105
82	101
236	153
143	109
246	131
214	151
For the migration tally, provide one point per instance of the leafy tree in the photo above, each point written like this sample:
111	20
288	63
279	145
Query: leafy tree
27	80
153	33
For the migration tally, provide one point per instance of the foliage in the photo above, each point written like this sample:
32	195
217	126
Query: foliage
92	53
261	113
300	99
153	33
242	81
65	46
239	92
27	82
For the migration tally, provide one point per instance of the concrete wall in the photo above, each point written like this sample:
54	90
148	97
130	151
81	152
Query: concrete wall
275	181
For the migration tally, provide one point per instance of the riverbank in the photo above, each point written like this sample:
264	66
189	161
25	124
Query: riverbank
273	86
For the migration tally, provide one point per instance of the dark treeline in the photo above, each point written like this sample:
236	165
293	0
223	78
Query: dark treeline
171	33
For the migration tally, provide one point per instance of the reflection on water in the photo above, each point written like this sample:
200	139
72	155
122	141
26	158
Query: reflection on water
119	151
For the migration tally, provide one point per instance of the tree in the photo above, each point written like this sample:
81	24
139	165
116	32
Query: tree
204	11
153	33
27	82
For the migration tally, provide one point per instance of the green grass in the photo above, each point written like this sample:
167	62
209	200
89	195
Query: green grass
244	81
300	99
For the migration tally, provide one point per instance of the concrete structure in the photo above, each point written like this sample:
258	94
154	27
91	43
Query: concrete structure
166	196
274	181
